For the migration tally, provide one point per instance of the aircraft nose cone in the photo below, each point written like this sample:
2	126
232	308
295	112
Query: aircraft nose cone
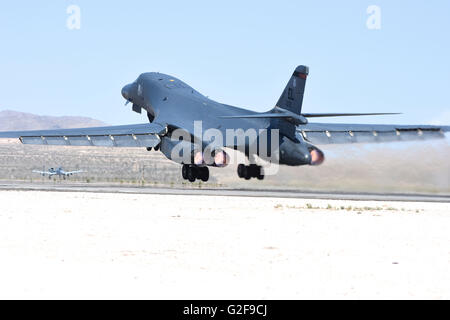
126	92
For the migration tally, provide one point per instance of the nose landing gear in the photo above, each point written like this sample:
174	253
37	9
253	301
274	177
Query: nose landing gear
251	171
192	172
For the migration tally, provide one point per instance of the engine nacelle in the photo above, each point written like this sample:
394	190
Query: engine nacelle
298	154
177	151
184	152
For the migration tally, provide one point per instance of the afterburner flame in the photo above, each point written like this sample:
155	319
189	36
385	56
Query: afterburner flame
317	157
198	158
221	159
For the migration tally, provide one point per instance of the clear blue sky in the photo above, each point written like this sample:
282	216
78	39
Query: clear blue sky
237	52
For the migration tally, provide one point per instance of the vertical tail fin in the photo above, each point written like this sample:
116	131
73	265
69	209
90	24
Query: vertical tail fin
292	97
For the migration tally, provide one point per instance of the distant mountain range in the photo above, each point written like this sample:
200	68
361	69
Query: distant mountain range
13	120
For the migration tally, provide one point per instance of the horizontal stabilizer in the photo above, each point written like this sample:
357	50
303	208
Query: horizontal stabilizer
298	119
257	116
285	114
323	115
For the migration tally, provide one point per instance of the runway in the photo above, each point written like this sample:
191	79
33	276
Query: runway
208	191
74	245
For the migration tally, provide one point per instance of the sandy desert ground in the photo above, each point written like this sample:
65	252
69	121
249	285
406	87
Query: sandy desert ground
88	245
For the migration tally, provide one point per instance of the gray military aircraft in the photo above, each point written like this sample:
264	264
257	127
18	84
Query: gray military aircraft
57	172
172	107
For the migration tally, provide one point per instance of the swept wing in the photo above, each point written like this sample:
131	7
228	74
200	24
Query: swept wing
137	135
337	133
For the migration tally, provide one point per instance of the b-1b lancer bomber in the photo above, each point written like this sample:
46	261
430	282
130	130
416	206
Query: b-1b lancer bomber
197	132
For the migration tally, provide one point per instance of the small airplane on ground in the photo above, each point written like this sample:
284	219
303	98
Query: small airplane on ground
188	128
57	172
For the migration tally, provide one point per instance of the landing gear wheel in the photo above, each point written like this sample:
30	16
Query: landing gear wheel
204	174
251	171
184	171
247	173
191	174
241	170
258	172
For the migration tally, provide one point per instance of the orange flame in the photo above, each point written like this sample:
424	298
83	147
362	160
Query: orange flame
317	157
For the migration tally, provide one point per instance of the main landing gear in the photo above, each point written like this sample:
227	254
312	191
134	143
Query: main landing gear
191	172
251	171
